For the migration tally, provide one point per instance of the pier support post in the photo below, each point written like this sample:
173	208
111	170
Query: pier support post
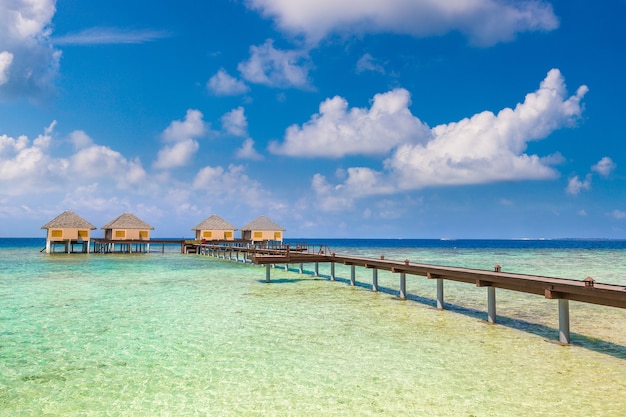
332	271
564	336
286	267
317	269
352	275
375	280
440	293
301	268
491	304
402	286
267	272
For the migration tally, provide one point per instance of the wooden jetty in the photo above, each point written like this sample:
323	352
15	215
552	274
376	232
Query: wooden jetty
561	289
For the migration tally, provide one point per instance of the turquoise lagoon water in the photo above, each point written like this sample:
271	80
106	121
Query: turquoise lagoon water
187	335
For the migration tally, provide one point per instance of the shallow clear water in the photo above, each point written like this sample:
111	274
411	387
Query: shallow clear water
169	334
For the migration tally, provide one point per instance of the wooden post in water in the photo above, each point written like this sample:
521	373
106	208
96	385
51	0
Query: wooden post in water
352	275
402	286
317	269
267	273
491	304
440	293
332	271
375	280
564	336
301	268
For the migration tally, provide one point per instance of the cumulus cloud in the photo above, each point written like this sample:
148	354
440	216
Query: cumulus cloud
482	149
6	58
247	151
276	68
231	184
180	138
604	167
484	22
337	131
28	167
575	185
28	61
223	84
618	214
489	147
235	123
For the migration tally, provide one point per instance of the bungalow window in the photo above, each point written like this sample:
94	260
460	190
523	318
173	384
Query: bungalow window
143	234
258	235
56	233
207	234
120	233
228	235
83	234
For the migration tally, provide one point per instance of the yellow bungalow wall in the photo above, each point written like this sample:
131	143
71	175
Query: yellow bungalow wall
60	234
261	235
215	234
127	234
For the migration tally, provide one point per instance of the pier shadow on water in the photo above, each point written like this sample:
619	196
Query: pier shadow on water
550	334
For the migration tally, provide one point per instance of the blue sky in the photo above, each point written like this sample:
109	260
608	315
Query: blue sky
384	118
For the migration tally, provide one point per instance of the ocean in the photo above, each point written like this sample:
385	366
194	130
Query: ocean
165	334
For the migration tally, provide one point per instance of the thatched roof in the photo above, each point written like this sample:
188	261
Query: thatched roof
214	222
68	220
262	223
127	221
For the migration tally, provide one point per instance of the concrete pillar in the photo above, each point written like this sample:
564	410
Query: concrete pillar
402	285
317	269
301	268
375	280
286	267
47	246
332	271
491	304
440	293
564	336
267	272
352	275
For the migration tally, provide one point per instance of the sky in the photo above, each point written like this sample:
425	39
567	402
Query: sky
368	119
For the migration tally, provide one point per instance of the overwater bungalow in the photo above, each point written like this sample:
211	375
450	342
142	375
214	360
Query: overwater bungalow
214	228
68	229
127	227
262	229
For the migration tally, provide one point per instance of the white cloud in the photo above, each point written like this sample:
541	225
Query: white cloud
604	167
488	147
329	197
107	36
231	184
29	62
618	214
337	131
235	123
28	168
80	139
482	149
176	155
575	185
368	63
247	151
180	141
276	68
484	22
222	84
6	59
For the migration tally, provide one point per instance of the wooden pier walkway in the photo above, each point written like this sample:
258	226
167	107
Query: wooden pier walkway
561	289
